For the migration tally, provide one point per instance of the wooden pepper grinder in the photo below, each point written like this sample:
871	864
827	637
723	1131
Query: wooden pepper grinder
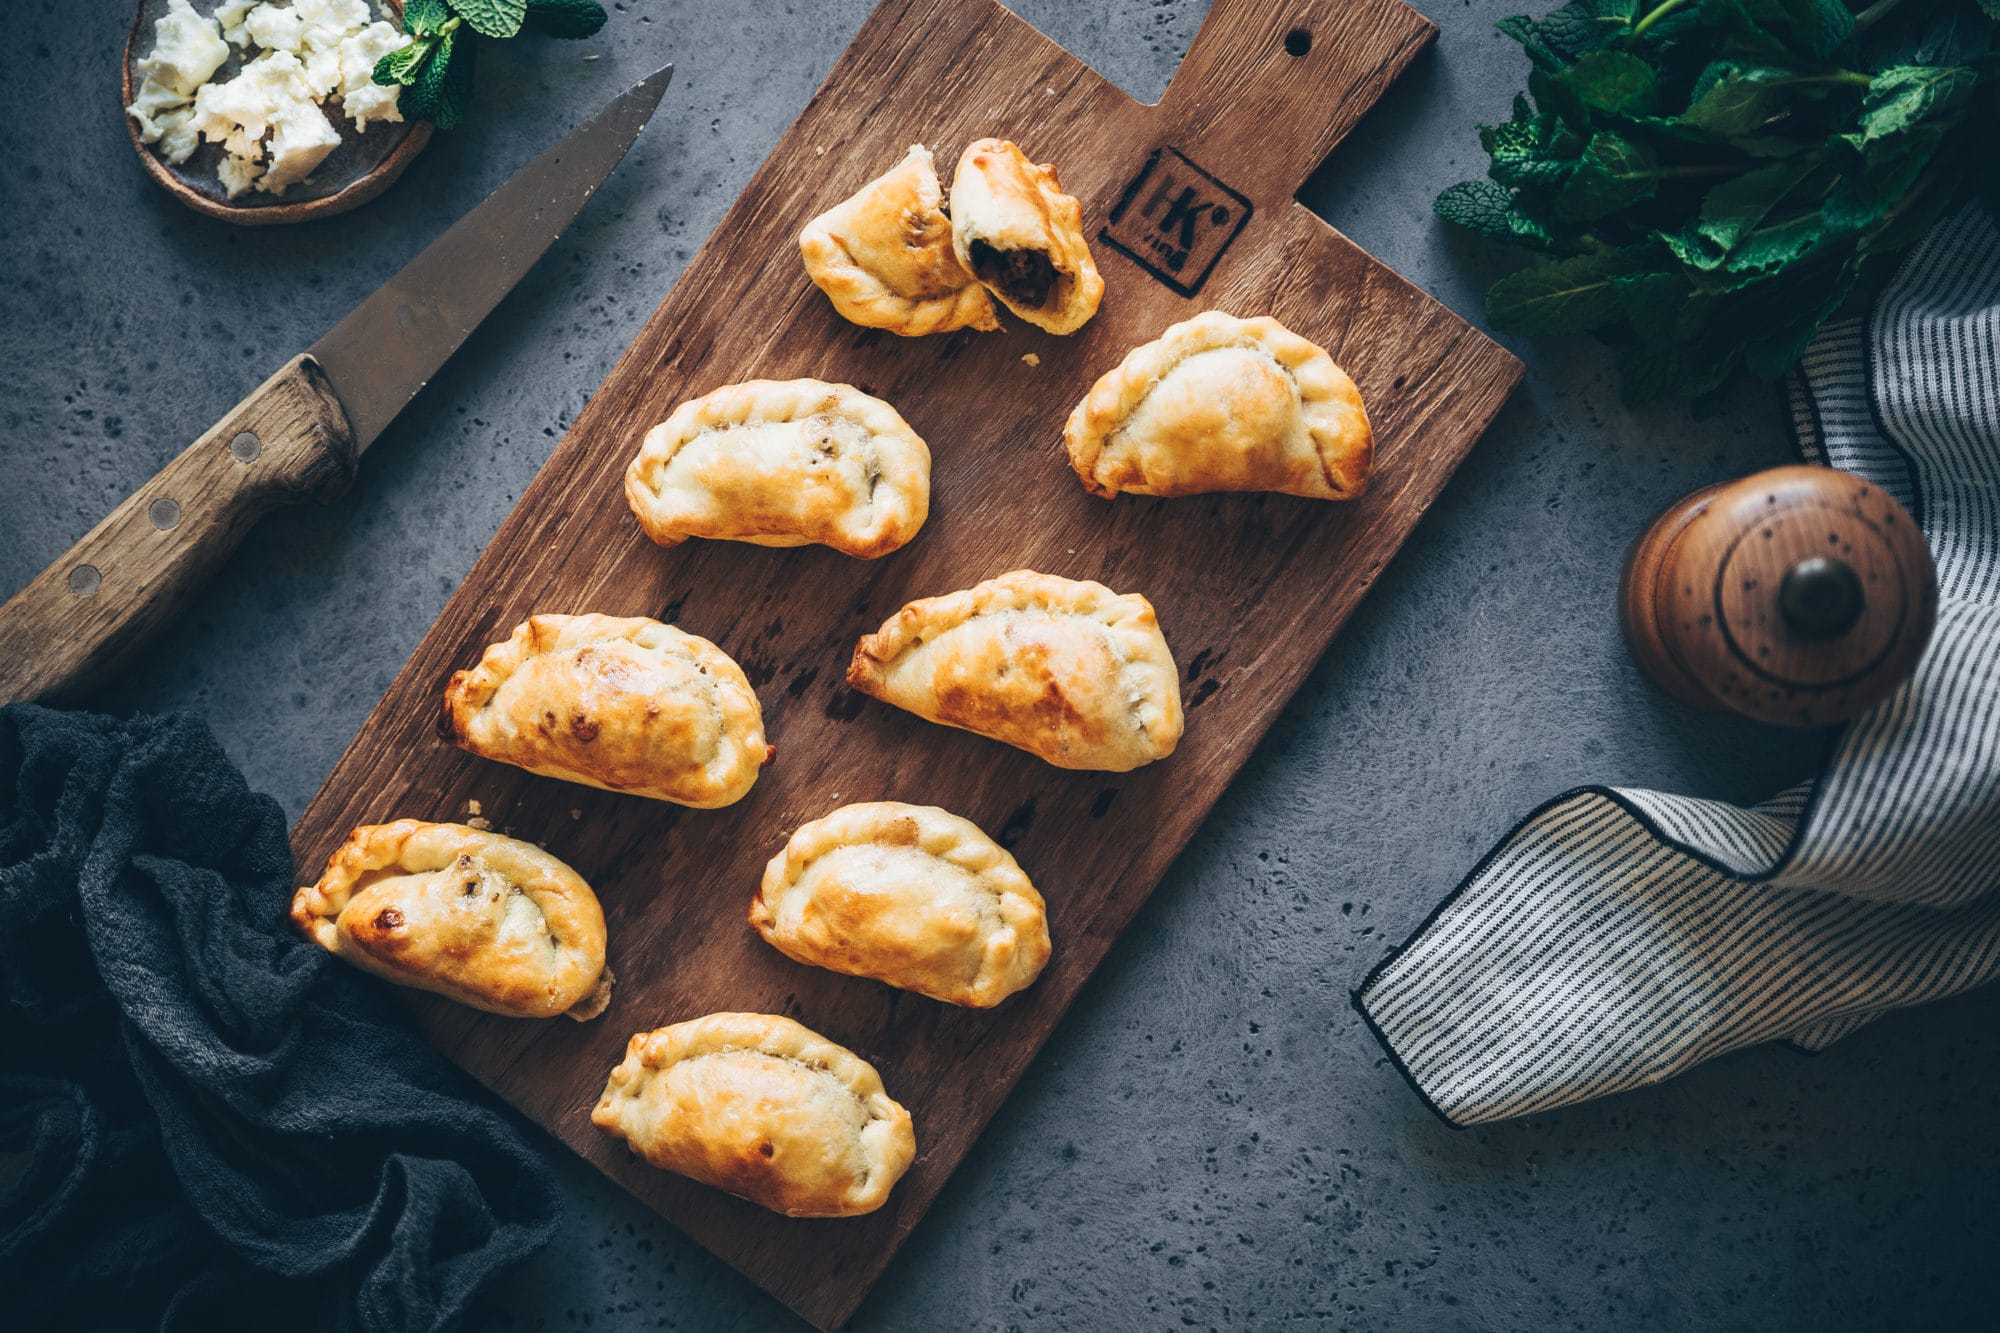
1801	596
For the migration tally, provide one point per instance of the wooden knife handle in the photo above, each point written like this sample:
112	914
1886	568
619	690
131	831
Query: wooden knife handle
288	441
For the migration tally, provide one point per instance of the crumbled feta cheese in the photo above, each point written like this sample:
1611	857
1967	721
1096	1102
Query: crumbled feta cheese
178	136
361	97
237	114
152	107
238	173
333	19
302	137
187	49
231	17
276	29
322	70
268	118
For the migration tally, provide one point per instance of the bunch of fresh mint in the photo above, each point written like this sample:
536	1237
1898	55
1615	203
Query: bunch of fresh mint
1714	179
435	69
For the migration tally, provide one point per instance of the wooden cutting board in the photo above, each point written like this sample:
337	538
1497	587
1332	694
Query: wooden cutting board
1190	206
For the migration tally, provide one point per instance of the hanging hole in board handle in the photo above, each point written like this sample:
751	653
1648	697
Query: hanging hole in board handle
1298	41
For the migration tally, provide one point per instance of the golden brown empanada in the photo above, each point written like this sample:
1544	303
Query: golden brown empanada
762	1107
1022	237
1069	671
783	463
486	920
907	894
1218	403
884	256
622	703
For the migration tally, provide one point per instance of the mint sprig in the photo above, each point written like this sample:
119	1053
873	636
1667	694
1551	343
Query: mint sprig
1708	181
435	68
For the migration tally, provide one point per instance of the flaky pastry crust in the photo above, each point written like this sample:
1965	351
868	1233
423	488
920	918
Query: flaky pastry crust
884	256
783	463
619	702
1022	237
1066	670
907	894
1218	403
486	920
764	1108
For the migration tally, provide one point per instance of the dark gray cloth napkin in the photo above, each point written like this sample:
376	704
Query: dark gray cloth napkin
1618	937
205	1121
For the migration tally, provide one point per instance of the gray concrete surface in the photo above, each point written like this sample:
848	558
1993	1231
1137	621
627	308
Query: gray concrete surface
1211	1140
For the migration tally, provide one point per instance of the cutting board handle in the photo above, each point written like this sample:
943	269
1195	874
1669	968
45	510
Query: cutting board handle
1267	89
288	441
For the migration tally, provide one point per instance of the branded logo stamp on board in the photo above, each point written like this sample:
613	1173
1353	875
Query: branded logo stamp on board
1176	220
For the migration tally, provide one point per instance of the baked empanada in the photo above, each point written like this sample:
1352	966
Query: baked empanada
907	894
1218	403
1022	237
622	703
486	920
783	463
1069	671
884	256
762	1107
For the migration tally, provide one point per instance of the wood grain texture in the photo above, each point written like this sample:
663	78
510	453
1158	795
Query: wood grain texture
1249	589
134	571
1706	607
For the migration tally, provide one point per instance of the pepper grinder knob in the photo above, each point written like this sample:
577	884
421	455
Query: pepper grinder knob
1801	596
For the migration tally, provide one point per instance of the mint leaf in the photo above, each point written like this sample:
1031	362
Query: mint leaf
1490	210
1905	95
1735	208
566	18
1739	101
1614	81
401	66
1587	25
1572	295
1613	173
491	18
1530	152
1773	247
1525	31
444	88
424	18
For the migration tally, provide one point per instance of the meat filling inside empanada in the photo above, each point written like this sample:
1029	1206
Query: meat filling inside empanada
1066	670
1022	237
907	894
783	463
623	703
764	1108
1218	403
486	920
884	257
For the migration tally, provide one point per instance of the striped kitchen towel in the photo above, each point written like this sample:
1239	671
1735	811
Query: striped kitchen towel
1618	937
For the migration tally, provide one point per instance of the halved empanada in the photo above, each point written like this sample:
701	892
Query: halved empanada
907	894
1022	237
783	463
884	256
762	1107
622	703
486	920
1218	403
1069	671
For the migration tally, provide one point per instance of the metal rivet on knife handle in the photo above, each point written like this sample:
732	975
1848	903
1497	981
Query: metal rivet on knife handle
164	514
245	447
84	580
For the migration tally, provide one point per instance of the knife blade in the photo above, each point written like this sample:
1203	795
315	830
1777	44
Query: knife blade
390	345
299	434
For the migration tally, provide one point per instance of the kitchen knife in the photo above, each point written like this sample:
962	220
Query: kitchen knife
299	434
